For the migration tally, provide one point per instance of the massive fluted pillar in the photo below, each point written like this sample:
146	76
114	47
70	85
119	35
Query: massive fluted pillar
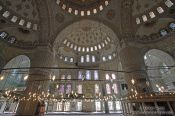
38	79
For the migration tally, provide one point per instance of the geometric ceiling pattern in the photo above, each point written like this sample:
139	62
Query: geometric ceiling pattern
24	8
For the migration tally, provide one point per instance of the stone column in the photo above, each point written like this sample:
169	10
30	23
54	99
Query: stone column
132	60
38	80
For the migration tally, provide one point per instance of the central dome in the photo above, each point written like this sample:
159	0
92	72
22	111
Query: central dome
83	7
83	4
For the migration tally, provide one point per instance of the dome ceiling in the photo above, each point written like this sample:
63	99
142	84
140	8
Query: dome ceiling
83	4
141	6
86	33
83	7
24	8
87	36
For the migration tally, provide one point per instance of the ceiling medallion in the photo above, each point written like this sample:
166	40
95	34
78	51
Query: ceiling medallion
83	7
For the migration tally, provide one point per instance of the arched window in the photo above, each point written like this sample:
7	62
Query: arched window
3	35
97	89
68	89
21	22
144	17
71	60
66	59
172	26
65	41
61	89
87	49
104	58
110	57
168	3
95	47
68	43
92	49
138	20
115	89
75	47
108	88
82	59
11	39
163	32
99	46
79	89
88	74
87	58
93	59
79	49
80	75
152	15
160	10
83	49
107	76
113	76
6	14
72	45
96	75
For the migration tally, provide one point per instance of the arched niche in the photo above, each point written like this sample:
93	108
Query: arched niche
159	72
13	76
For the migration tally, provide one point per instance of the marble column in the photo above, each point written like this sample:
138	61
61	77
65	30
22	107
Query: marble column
38	79
132	60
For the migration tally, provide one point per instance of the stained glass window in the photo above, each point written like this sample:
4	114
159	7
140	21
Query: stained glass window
71	59
96	75
172	26
93	58
108	89
88	74
82	59
66	59
61	89
3	35
87	58
169	3
113	76
79	89
115	89
97	89
107	76
68	89
79	74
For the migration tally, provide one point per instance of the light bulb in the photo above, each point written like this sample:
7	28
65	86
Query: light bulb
53	78
26	77
2	77
132	81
